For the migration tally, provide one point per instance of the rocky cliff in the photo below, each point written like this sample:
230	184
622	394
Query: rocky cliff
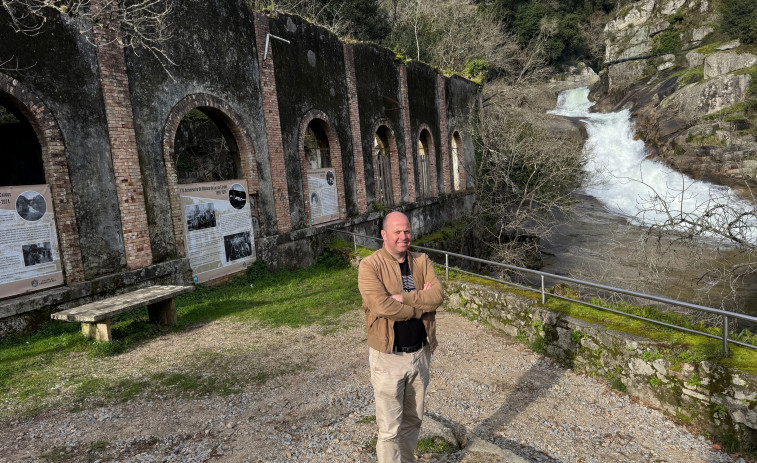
691	89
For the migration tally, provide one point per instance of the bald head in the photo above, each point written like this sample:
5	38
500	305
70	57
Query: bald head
396	234
392	217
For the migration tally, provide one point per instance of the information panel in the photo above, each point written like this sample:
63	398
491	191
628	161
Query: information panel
217	228
29	254
324	199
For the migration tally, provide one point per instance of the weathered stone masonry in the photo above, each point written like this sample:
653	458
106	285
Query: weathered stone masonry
106	118
711	398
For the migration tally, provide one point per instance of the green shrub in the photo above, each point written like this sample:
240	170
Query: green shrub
676	17
476	69
649	70
739	19
665	41
528	16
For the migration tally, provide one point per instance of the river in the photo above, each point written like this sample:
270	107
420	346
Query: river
603	241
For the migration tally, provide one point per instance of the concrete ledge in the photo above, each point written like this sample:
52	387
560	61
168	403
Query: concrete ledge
171	272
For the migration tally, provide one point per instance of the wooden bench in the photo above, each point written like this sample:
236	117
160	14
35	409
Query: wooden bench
95	316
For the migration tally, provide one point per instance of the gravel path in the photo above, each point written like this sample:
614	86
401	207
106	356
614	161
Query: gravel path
306	397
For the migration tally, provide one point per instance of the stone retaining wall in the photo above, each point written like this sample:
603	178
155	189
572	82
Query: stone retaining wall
709	397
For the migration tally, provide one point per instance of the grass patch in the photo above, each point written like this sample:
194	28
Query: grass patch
434	445
706	140
317	295
367	419
54	364
449	231
97	445
690	76
740	107
55	454
710	48
370	446
618	385
684	347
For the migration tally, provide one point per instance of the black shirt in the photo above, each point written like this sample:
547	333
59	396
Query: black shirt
410	332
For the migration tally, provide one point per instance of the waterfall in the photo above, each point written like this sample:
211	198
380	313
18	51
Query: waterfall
644	190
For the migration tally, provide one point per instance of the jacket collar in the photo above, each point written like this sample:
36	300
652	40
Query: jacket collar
386	255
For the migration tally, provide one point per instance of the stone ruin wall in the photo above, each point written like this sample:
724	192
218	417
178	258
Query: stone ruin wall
106	118
710	398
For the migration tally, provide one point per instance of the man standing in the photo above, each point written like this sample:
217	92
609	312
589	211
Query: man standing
400	296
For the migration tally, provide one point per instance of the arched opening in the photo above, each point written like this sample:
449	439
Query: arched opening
20	150
204	148
321	164
211	175
383	167
33	172
424	166
317	145
456	153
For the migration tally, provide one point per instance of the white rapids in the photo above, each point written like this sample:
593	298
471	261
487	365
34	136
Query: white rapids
643	190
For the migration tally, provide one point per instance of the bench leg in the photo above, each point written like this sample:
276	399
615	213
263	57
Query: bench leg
99	331
163	312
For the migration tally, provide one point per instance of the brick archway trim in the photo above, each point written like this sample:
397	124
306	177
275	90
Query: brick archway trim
393	160
242	139
55	166
431	157
336	160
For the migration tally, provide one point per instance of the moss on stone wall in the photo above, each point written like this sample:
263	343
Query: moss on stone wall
704	392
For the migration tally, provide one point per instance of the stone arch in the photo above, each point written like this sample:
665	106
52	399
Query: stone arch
335	153
385	127
230	125
55	166
425	139
457	164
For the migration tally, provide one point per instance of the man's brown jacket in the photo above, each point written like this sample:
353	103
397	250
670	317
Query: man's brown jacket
378	278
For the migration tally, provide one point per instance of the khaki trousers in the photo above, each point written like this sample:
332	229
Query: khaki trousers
399	383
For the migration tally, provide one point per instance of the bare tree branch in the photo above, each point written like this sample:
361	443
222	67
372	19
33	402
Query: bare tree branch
135	24
525	177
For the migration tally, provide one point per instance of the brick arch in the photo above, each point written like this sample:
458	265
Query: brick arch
55	166
335	152
431	158
460	160
229	123
394	160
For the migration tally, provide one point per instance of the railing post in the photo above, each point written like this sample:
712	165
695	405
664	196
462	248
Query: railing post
446	266
725	334
543	296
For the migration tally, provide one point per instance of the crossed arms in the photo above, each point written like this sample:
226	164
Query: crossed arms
386	299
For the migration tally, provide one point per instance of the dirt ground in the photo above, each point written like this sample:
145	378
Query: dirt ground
283	394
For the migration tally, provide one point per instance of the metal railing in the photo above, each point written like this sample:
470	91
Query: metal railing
726	315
